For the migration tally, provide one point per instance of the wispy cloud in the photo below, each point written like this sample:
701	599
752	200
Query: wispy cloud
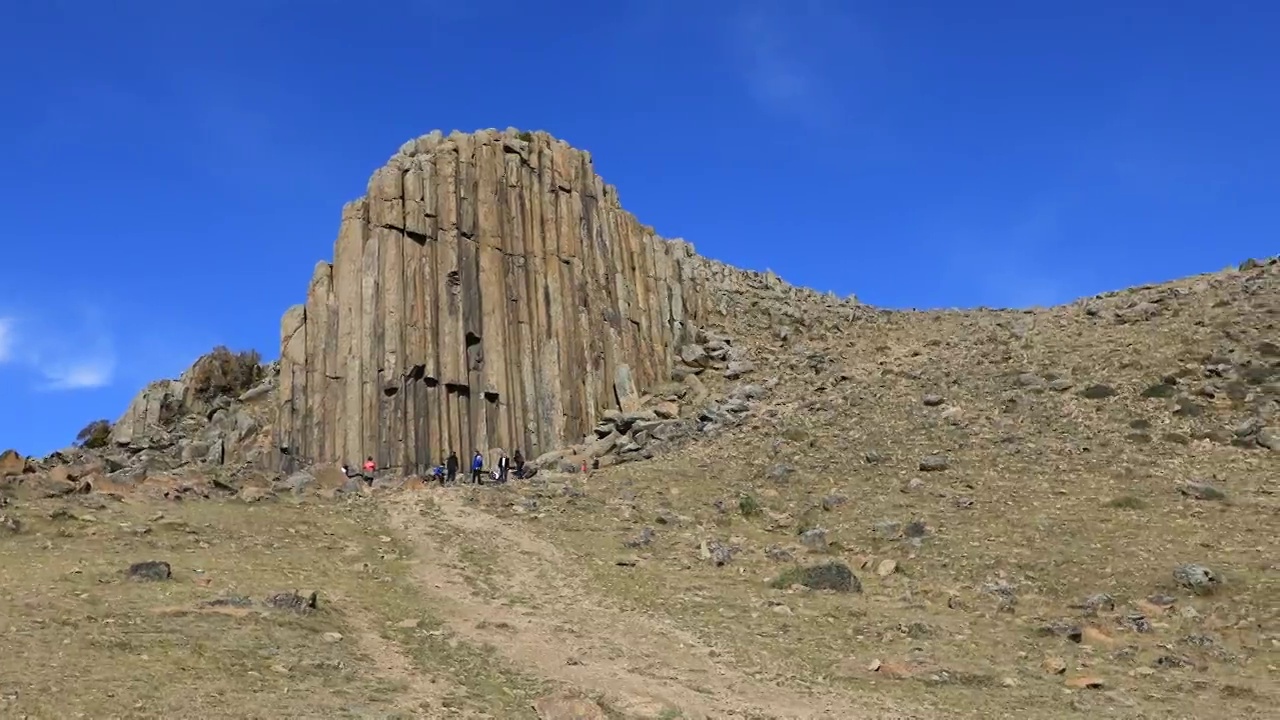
6	339
81	374
786	55
61	357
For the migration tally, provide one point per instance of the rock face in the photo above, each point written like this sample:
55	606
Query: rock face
488	292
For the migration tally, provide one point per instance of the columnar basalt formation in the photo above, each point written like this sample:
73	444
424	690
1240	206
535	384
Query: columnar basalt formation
487	292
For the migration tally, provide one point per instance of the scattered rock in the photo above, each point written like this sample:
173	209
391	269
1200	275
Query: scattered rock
831	502
1197	578
779	472
294	602
777	553
886	568
150	570
814	539
11	464
1054	666
834	575
1098	392
1160	390
10	525
932	400
1269	438
1101	602
1201	491
934	463
887	529
644	539
718	553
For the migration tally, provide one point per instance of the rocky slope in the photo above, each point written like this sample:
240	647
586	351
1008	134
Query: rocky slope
498	267
488	292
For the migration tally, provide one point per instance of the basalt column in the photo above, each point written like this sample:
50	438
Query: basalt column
488	292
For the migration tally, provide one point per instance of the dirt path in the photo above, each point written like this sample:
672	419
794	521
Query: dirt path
544	619
390	663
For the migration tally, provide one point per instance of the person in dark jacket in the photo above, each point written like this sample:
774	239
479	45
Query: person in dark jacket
477	467
451	467
504	466
518	461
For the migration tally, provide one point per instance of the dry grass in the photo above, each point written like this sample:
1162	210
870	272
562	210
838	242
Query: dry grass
1047	492
468	601
84	641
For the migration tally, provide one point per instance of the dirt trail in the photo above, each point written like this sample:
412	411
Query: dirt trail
543	618
390	663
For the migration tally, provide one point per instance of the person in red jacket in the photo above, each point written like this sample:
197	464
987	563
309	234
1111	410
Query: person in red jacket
369	468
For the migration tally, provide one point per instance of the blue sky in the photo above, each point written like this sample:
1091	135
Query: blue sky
172	171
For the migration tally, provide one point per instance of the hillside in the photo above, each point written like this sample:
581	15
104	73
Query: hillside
794	506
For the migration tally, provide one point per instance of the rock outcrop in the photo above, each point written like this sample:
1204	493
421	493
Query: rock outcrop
488	291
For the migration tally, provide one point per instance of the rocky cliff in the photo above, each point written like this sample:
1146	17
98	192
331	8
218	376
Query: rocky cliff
488	291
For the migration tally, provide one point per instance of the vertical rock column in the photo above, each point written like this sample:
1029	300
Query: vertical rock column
487	292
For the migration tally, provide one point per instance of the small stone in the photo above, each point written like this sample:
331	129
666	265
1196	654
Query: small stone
886	568
1196	578
1098	392
932	400
1201	491
332	637
814	539
934	463
151	570
1054	665
887	529
833	575
1268	438
1101	602
1085	682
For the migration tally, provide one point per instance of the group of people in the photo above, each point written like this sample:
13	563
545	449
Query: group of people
448	472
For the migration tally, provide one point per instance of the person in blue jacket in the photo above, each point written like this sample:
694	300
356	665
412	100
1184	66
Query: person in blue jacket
477	467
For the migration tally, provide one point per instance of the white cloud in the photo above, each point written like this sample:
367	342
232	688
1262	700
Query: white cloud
6	339
81	374
63	357
795	59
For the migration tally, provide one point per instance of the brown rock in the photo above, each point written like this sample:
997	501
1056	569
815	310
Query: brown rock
1085	682
1054	665
488	291
11	463
667	410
